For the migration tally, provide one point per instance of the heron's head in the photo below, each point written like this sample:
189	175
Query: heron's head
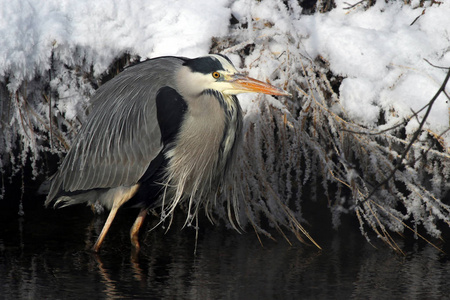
216	72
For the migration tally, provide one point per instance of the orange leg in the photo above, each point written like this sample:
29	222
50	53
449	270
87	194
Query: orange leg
120	198
134	232
105	229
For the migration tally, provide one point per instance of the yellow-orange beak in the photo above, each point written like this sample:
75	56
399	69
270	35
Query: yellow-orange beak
245	84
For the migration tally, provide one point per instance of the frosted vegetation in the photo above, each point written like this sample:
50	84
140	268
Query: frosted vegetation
367	128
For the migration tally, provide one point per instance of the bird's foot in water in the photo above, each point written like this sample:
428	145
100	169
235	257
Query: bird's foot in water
134	232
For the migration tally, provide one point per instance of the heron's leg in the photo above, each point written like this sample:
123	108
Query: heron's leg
134	232
105	229
120	197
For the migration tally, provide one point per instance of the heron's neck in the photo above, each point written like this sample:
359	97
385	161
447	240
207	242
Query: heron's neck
206	144
232	129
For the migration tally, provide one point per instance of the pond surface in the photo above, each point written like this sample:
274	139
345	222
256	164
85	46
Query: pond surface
45	255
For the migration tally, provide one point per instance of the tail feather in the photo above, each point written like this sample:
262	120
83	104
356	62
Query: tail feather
68	200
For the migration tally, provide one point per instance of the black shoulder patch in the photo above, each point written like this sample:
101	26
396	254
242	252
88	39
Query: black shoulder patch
204	65
170	110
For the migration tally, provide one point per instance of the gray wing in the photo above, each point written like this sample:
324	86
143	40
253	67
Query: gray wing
121	136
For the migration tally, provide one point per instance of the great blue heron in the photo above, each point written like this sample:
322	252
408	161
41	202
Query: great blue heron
161	131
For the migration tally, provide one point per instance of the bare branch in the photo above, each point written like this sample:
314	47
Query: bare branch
413	139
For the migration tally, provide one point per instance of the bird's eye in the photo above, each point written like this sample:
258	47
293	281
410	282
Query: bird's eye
216	75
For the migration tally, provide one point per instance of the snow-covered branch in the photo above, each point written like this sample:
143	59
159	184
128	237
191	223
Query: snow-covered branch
353	67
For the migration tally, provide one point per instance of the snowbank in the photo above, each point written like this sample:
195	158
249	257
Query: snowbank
383	51
354	66
97	32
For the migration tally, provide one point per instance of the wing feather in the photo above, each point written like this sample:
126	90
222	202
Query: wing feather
121	136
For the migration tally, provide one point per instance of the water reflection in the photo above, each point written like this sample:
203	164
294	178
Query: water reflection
44	255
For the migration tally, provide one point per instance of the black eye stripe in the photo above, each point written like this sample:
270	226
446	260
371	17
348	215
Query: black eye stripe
204	65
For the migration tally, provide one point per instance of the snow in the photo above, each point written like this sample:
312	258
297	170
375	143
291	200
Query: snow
104	29
378	51
358	98
381	53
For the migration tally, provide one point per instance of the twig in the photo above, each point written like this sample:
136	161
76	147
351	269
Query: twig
414	115
350	6
435	66
438	67
49	101
423	12
413	139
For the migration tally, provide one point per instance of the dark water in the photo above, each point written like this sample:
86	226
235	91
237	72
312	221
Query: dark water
43	255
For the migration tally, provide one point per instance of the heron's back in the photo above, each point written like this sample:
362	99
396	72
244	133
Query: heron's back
121	135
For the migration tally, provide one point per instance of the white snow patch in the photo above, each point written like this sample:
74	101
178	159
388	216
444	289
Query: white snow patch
358	96
103	29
